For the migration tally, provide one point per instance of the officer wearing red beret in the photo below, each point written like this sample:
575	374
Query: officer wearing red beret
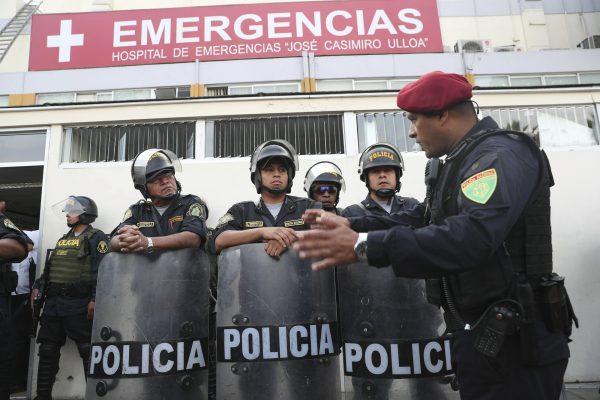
482	239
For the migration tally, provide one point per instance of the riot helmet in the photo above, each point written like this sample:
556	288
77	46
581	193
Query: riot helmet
381	155
324	171
80	206
266	152
151	163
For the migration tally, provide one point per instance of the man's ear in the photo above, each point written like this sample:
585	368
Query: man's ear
444	117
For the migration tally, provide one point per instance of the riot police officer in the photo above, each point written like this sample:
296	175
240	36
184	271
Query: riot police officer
69	281
483	239
323	183
165	219
275	217
381	166
14	245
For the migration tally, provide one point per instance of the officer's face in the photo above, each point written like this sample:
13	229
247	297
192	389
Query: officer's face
324	192
164	185
274	175
427	131
72	219
382	178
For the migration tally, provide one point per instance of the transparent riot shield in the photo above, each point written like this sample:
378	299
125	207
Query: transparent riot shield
150	332
276	328
391	337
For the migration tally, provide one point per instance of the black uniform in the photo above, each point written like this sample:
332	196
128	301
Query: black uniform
8	282
370	207
70	275
185	213
487	237
249	215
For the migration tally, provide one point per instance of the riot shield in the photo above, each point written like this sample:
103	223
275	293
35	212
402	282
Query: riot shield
276	328
391	337
150	333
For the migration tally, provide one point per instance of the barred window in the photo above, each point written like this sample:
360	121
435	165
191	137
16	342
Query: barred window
123	142
309	134
551	126
390	127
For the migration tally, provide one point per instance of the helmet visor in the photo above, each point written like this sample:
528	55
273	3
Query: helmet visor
69	206
151	162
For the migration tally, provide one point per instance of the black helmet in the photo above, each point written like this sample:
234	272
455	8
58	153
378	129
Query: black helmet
151	163
324	171
267	150
380	155
81	206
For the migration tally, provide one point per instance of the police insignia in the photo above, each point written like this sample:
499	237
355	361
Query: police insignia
224	220
196	210
480	187
293	222
9	224
102	247
254	224
127	214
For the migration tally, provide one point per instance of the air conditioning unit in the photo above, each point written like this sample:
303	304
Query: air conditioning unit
502	49
473	46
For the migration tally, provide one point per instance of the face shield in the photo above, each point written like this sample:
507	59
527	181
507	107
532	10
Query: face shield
324	172
68	207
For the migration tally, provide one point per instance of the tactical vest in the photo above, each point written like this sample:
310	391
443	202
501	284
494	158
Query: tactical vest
526	252
71	260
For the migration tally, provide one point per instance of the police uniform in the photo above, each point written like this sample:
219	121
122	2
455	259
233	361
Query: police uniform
70	275
8	281
186	213
370	207
485	234
249	215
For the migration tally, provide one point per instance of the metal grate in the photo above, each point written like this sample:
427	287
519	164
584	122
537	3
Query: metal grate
216	91
309	134
123	142
390	127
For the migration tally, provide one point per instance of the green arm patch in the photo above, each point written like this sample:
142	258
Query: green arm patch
224	220
481	186
196	210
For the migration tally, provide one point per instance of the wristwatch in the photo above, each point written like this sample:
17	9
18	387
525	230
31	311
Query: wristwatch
360	247
150	247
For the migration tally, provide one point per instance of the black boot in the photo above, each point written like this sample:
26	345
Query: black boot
47	370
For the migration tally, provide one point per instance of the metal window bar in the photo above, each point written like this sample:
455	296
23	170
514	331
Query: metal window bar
123	142
309	134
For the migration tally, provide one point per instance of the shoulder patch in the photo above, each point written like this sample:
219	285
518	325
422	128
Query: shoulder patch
196	210
480	187
9	224
127	215
102	247
224	220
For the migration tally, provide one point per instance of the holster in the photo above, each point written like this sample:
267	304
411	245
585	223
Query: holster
8	281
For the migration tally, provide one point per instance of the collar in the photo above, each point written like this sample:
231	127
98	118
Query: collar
486	124
369	203
288	204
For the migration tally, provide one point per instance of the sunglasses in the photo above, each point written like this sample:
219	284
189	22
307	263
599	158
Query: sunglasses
322	189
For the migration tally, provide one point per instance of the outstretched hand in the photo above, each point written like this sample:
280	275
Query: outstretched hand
332	243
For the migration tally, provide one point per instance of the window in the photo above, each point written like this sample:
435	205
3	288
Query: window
390	127
309	134
492	81
133	94
216	91
22	146
398	84
592	77
53	98
593	42
551	126
172	92
123	142
526	81
370	85
561	80
85	97
3	101
335	85
264	88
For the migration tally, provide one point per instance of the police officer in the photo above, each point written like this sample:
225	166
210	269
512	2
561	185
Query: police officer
14	245
484	235
323	183
381	166
275	217
70	284
165	219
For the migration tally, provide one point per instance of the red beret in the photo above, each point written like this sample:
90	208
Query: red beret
434	91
